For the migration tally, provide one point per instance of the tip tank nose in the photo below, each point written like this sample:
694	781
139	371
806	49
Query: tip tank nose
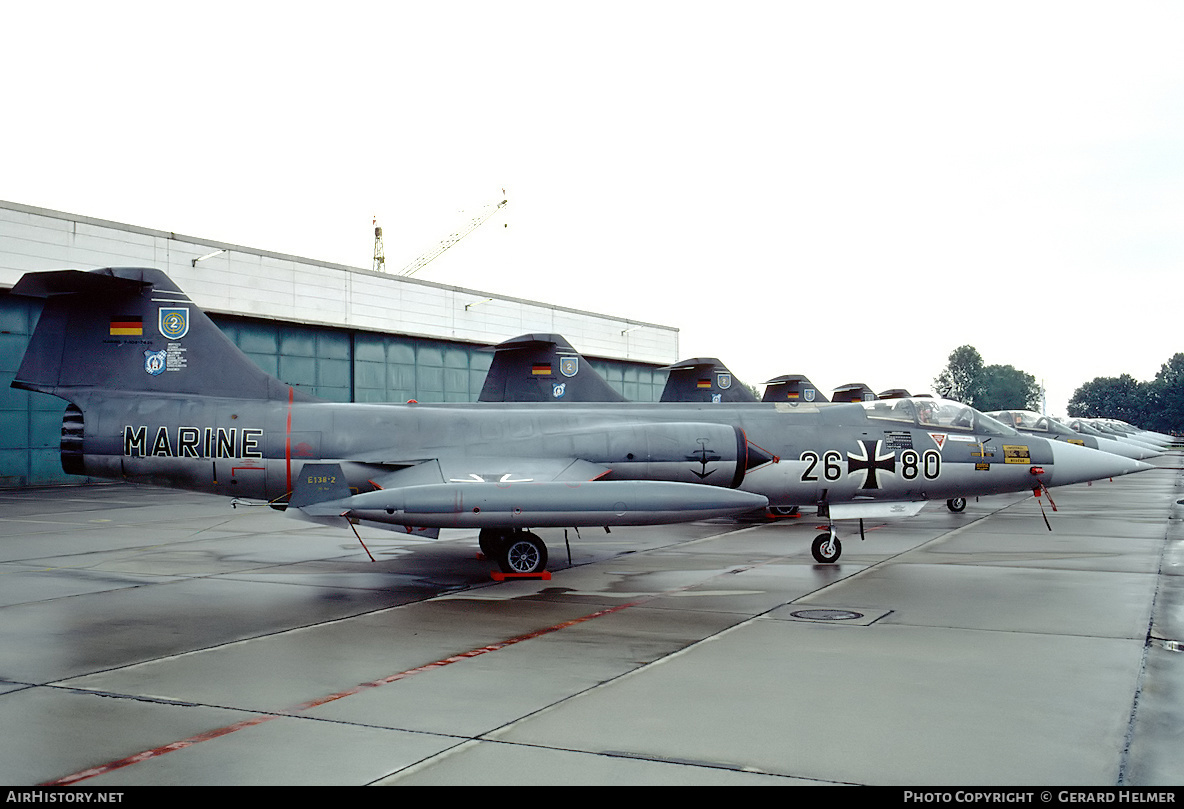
1076	464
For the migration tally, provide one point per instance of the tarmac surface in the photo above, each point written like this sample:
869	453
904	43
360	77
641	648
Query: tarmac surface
150	636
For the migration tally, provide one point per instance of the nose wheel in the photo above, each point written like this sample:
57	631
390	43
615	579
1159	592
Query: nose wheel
956	504
826	547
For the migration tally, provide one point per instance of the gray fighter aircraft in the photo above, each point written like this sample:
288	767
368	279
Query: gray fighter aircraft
1035	424
1135	433
1100	427
1153	435
158	394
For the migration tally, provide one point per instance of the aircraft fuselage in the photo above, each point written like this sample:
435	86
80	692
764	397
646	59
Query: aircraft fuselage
792	454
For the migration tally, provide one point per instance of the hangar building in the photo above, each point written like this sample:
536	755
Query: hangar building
341	333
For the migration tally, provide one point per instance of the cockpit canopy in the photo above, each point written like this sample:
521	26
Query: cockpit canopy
1025	420
939	414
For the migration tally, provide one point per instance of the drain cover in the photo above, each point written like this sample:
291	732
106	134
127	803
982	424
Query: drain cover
827	615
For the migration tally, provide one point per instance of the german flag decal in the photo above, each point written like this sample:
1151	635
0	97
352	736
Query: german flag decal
127	326
541	370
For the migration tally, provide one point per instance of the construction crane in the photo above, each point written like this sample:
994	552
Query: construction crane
379	256
474	223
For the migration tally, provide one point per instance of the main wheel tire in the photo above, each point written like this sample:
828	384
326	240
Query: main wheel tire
490	541
523	552
956	504
826	548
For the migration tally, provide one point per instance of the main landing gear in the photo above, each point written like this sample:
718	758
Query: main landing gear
515	550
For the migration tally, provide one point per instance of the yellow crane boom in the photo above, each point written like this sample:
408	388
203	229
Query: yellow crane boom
474	223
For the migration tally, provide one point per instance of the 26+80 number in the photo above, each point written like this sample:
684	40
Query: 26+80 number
912	464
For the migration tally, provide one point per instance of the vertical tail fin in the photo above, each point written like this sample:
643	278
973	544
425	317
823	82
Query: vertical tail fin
853	392
132	330
792	388
543	368
704	379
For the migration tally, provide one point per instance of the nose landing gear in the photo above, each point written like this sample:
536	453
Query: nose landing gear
826	547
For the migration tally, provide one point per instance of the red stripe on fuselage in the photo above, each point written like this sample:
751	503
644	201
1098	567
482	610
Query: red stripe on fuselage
288	440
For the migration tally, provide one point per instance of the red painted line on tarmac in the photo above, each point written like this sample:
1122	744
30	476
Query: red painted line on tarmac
357	689
159	751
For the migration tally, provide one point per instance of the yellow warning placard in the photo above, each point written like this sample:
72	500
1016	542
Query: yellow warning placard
1013	453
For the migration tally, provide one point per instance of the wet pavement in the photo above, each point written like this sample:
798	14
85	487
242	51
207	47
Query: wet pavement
157	637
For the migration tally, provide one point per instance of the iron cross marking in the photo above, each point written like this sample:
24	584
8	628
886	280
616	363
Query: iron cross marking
870	461
704	456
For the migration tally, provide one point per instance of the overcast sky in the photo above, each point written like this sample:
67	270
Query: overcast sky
848	190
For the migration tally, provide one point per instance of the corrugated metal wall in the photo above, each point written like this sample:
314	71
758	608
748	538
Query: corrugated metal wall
30	423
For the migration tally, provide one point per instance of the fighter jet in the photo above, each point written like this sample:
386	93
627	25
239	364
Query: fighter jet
1155	436
1035	424
1136	433
157	394
1099	427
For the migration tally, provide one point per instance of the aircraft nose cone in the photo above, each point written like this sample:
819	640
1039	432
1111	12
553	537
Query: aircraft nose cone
1076	464
1126	450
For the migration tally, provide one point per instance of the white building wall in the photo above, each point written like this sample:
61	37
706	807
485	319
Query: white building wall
258	283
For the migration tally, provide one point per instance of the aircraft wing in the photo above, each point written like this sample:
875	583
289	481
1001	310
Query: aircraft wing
876	510
510	470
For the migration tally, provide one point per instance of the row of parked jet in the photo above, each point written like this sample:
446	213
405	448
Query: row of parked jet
524	370
157	394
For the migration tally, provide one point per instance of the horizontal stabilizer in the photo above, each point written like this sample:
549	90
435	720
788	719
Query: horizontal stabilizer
519	470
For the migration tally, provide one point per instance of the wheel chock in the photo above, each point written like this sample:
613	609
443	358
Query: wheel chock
497	575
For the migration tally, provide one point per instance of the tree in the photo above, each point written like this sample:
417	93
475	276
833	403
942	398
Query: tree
1118	397
1007	388
1166	405
961	379
1154	405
